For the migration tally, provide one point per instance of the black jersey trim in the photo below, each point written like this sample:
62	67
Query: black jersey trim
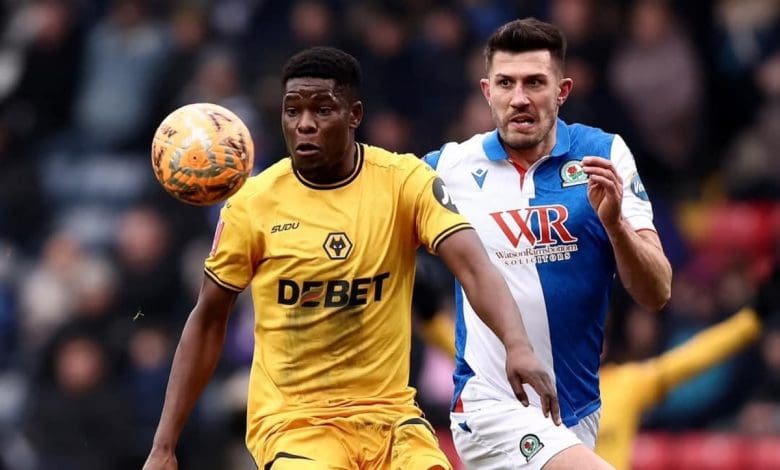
445	234
418	421
284	455
359	157
222	283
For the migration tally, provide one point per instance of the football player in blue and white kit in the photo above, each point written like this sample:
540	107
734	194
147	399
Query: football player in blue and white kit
560	209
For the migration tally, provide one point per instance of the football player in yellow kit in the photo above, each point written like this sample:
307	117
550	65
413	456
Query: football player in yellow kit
651	380
325	240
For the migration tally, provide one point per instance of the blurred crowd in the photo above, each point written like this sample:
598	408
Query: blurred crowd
99	267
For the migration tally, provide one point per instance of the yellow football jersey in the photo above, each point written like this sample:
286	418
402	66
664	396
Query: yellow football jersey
331	269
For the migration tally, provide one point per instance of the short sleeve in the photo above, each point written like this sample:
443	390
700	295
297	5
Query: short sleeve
637	209
436	216
236	247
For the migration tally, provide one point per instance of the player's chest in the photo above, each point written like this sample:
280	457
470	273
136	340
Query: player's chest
544	207
321	227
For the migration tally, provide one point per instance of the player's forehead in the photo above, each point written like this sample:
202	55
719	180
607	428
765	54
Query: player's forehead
311	87
522	64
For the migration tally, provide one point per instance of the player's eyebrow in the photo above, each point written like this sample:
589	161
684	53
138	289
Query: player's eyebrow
319	95
501	76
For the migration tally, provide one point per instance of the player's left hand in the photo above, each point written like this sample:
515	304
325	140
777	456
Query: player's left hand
605	189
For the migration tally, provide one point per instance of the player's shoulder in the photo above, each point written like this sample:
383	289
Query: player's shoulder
589	140
452	153
378	157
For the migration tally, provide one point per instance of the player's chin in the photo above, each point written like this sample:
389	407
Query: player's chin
520	141
306	160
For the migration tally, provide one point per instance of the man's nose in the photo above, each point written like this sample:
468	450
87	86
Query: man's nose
519	98
306	124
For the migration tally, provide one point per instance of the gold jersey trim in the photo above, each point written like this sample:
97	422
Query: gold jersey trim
355	172
445	234
222	283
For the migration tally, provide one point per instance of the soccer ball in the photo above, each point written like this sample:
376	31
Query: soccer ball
202	154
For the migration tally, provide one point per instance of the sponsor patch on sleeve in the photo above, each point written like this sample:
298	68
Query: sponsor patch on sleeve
638	188
443	196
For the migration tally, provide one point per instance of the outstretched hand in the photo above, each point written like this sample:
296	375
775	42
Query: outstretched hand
605	189
522	367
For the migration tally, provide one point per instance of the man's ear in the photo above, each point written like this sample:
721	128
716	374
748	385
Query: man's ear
564	88
484	84
356	114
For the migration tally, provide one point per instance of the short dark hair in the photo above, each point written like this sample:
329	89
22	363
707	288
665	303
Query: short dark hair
327	63
527	34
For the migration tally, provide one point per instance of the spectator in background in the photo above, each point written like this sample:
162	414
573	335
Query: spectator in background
751	169
382	34
78	417
652	379
590	101
189	34
388	129
439	50
50	42
217	78
149	277
124	58
657	77
47	297
703	294
24	211
149	352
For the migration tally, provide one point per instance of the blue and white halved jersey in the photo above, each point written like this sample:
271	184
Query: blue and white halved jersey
540	230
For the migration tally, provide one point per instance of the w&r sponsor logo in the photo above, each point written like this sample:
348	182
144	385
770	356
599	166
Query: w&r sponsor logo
544	230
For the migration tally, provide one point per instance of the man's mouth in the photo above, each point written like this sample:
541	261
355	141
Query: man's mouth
306	149
522	121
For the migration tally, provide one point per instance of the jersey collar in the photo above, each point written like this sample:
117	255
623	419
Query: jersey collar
338	184
491	144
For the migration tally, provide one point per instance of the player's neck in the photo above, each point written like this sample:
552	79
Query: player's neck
528	156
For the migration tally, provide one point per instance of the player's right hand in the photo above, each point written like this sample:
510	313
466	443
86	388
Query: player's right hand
522	367
161	460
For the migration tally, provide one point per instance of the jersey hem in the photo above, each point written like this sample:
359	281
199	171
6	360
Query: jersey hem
582	413
640	222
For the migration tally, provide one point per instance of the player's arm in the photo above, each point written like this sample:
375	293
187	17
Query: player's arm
706	349
642	265
489	295
196	357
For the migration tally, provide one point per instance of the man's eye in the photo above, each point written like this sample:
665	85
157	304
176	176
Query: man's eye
325	110
291	112
504	83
